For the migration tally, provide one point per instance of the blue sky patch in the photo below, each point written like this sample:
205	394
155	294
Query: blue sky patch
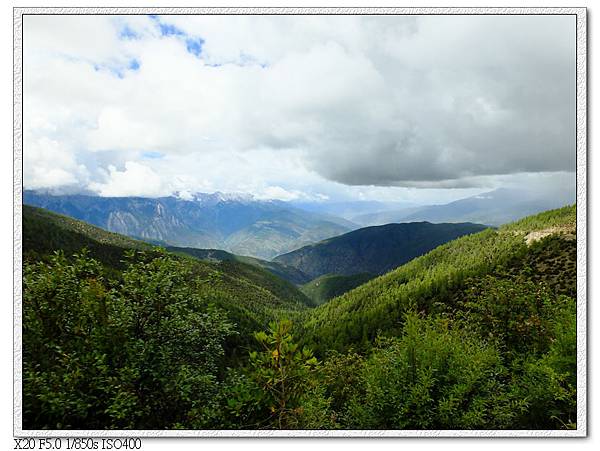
128	33
117	71
166	29
152	155
170	30
194	46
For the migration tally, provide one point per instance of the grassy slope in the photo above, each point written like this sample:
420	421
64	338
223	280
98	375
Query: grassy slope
377	306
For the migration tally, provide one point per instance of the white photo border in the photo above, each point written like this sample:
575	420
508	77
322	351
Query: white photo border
581	149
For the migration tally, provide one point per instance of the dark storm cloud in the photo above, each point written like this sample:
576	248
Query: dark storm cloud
496	98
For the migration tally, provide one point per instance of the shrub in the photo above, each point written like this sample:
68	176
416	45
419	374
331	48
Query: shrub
141	353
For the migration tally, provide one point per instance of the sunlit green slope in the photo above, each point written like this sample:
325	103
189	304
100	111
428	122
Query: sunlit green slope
428	282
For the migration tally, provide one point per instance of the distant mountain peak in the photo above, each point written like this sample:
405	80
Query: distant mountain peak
232	197
214	198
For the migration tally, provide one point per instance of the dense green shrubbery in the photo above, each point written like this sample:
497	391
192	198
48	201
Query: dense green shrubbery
433	377
505	359
442	372
143	353
459	372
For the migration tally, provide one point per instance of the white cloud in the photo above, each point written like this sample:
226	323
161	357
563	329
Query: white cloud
296	106
136	180
279	193
50	164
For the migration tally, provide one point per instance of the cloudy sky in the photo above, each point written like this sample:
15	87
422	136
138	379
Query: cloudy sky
417	108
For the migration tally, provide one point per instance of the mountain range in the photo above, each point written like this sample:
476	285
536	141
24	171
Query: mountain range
238	224
350	209
244	226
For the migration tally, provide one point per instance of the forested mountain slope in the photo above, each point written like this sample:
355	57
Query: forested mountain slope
288	273
45	232
373	250
326	287
426	283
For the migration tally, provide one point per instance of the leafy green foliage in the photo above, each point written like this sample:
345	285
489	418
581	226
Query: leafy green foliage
534	328
442	373
281	370
143	353
433	377
280	388
517	313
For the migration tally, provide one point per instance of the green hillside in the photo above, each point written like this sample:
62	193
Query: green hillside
373	250
479	333
45	232
426	282
265	296
326	287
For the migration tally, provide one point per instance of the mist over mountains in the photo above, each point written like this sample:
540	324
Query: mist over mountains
492	208
352	209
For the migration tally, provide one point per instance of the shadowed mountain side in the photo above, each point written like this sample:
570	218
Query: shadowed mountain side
374	250
45	232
